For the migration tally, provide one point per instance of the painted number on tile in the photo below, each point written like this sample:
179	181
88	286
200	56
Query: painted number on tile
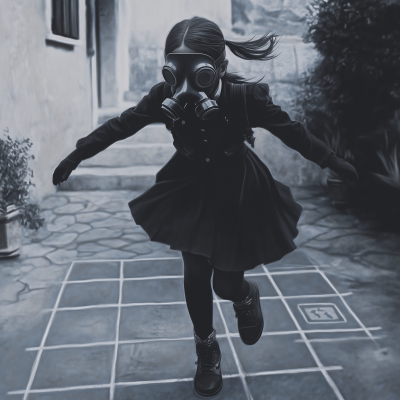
321	313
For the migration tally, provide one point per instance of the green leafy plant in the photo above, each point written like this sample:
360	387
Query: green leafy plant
354	84
15	180
359	69
391	163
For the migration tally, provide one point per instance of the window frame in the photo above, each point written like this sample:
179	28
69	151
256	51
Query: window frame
62	39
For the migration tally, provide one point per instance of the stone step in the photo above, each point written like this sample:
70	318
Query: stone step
104	114
155	133
122	154
127	178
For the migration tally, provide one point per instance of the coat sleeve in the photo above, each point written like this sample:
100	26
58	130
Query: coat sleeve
146	112
263	113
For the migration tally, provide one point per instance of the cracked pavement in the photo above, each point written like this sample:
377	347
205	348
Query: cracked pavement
357	255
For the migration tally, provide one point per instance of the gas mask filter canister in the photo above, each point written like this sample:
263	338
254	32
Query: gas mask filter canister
191	75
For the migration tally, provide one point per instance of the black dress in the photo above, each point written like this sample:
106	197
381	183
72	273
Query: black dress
229	209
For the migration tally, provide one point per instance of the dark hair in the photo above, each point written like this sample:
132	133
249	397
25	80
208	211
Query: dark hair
204	36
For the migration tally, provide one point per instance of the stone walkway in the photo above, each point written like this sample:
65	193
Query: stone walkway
93	310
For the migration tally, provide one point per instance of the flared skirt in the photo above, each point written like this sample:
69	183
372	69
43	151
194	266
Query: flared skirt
233	212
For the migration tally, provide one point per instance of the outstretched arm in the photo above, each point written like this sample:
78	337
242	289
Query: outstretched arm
118	128
263	113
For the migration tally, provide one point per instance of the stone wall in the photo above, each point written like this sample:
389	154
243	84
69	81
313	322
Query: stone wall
45	92
286	18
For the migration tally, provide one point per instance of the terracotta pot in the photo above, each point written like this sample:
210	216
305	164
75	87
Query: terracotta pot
10	237
339	191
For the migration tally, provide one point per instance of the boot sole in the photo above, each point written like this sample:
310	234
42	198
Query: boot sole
262	318
210	395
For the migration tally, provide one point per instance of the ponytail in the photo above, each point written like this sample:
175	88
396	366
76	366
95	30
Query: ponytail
204	36
254	49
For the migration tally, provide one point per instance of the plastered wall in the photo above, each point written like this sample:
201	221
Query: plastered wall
44	89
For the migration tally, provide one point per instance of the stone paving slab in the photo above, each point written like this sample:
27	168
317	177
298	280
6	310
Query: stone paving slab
74	367
90	293
139	342
232	389
304	386
361	353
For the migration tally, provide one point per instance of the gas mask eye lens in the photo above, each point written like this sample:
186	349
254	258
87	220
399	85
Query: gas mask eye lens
205	77
169	75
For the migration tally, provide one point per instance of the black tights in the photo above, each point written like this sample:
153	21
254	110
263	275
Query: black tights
199	299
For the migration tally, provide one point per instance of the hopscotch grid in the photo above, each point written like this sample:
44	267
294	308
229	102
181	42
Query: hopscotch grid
114	364
242	374
152	382
221	335
44	338
314	355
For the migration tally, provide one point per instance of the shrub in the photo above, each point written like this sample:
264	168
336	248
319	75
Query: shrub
355	85
14	187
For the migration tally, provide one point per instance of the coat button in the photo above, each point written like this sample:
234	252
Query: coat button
205	140
203	130
207	159
183	122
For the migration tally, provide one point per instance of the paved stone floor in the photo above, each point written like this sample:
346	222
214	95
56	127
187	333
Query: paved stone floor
92	309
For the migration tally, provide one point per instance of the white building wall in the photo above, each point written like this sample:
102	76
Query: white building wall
45	92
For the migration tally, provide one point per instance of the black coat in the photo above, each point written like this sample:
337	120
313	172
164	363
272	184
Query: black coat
229	209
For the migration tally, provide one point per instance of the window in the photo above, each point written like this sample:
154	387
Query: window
65	18
65	21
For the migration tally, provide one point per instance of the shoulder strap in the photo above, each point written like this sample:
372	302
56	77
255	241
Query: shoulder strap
237	112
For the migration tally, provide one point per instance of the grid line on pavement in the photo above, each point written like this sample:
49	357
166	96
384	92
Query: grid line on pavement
114	364
46	332
221	335
147	278
327	377
347	306
151	382
235	356
343	339
167	303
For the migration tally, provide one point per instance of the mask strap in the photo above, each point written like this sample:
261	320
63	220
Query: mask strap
219	60
217	93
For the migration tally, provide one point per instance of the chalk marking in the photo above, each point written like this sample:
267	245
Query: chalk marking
114	364
344	339
346	305
235	356
222	335
46	332
313	305
304	337
138	383
183	302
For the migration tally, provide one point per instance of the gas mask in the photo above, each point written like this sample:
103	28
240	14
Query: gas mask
191	76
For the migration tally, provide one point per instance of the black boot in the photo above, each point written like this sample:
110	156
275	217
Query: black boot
208	378
249	315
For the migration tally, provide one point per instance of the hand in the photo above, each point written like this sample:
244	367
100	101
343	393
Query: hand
344	169
63	171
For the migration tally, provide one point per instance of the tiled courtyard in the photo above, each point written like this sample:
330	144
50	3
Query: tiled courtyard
118	328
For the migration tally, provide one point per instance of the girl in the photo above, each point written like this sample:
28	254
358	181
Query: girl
214	200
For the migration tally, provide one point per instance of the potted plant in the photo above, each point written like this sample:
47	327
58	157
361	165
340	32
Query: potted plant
14	195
